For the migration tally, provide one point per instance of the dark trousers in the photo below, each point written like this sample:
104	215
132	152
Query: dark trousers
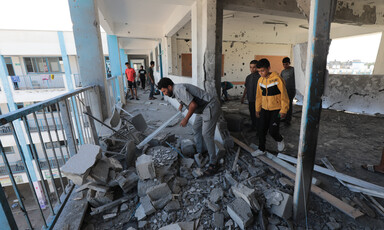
252	111
291	96
269	120
142	81
152	89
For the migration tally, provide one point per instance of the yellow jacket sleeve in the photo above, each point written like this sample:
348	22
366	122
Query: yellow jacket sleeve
259	96
284	96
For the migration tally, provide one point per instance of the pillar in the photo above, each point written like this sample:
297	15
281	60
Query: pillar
86	30
207	38
318	46
5	81
123	60
174	56
114	58
379	64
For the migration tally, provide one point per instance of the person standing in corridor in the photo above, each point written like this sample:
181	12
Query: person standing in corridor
151	80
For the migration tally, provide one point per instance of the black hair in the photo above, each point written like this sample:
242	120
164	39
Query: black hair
127	63
263	63
164	83
152	63
286	60
253	62
141	66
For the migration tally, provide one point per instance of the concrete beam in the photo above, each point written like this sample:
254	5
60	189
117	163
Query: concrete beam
364	12
286	8
137	30
104	19
180	16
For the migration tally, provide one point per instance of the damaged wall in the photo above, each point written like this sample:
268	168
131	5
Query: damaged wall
354	93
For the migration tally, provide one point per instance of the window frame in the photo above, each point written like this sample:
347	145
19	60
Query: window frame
35	66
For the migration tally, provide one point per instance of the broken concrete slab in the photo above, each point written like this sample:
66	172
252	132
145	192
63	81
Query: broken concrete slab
130	153
187	147
145	167
247	194
147	205
100	171
240	212
218	220
127	180
78	167
160	195
139	122
280	203
216	195
140	213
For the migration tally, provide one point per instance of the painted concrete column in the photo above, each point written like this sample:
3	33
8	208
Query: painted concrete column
379	64
114	58
6	83
317	51
86	30
123	60
207	39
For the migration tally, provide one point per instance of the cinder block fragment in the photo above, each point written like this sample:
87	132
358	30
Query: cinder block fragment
240	212
160	195
145	167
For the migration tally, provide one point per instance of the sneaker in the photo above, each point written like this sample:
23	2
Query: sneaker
137	98
258	152
280	146
131	98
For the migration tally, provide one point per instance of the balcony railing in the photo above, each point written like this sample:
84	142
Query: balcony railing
38	81
70	127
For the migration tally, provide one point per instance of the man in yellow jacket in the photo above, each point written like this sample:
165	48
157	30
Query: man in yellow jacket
272	103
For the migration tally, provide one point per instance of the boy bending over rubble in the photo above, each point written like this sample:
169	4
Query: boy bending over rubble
207	110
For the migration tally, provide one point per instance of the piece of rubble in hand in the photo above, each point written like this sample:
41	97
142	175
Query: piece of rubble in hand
145	167
249	195
78	166
240	212
160	195
216	195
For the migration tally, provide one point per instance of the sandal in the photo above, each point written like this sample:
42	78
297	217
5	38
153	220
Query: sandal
212	169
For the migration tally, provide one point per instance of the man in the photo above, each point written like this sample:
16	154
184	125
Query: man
207	110
142	73
130	73
151	80
250	92
225	86
272	103
288	74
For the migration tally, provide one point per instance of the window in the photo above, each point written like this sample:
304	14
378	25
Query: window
8	63
108	67
9	150
56	144
43	64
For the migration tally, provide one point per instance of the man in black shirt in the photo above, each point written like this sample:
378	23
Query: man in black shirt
142	73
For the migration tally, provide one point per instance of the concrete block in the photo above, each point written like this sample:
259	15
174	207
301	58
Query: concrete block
160	195
147	205
216	195
214	207
100	171
115	164
127	180
187	147
130	153
140	213
78	167
280	203
139	122
144	185
173	205
247	194
240	212
218	220
145	167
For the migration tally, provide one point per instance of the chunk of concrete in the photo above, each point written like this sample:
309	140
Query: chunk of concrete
216	195
78	167
144	185
187	162
171	227
218	220
240	212
280	203
100	171
246	194
130	153
127	180
187	147
139	122
160	195
173	205
147	205
214	207
145	167
115	164
140	213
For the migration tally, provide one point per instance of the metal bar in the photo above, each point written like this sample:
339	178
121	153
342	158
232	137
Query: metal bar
318	45
81	120
14	185
36	156
57	137
7	221
92	126
75	112
72	123
11	116
85	119
62	129
27	172
53	149
46	157
67	127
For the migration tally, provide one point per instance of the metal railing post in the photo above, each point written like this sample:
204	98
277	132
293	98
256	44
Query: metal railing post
7	221
67	126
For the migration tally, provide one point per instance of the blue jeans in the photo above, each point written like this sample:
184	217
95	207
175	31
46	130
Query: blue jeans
152	89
